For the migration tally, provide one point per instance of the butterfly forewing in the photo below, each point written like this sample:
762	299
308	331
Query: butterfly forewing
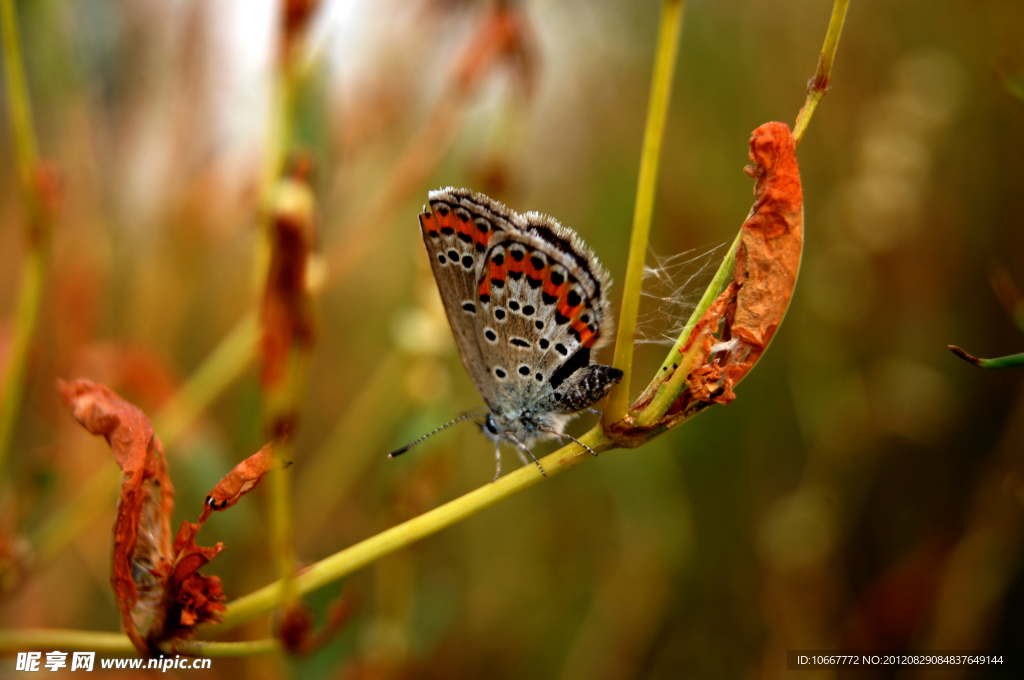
457	232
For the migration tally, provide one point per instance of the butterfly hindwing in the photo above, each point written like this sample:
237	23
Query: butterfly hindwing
543	315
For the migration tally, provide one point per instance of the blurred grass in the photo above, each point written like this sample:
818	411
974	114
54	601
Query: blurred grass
864	489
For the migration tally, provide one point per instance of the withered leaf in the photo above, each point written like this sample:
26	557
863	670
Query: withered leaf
142	533
159	592
242	479
192	598
736	328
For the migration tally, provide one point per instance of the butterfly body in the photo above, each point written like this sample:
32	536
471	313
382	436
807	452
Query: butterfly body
526	302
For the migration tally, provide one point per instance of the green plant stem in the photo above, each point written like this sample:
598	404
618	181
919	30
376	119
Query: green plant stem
819	83
669	390
224	364
35	639
19	105
326	477
222	367
345	562
669	28
38	217
1011	361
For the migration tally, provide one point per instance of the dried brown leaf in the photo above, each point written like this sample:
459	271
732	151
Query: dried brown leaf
157	587
242	479
142	532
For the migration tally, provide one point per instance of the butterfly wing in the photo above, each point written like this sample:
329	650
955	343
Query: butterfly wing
457	232
526	302
542	310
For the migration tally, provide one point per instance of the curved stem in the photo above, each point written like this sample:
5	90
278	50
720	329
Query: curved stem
38	217
35	639
669	29
819	83
345	562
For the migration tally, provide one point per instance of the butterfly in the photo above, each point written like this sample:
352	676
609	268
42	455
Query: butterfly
527	303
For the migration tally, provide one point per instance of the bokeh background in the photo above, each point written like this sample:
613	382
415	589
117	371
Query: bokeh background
866	489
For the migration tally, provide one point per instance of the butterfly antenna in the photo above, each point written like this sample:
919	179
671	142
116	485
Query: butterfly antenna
567	436
405	448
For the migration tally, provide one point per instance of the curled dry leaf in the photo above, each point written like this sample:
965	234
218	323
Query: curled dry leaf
159	592
242	479
735	330
141	553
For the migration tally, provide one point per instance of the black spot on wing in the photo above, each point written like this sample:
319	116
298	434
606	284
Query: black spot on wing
577	361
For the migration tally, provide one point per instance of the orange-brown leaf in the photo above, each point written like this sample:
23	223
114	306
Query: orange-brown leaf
769	257
142	533
190	597
242	479
734	331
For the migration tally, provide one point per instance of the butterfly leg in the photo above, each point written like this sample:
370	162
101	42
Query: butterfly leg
497	460
523	447
567	436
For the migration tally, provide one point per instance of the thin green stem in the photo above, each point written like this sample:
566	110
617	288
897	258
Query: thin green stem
35	639
221	649
229	359
670	27
19	105
1011	361
345	562
819	83
38	217
675	365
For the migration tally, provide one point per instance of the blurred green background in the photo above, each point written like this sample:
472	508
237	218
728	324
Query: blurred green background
865	490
